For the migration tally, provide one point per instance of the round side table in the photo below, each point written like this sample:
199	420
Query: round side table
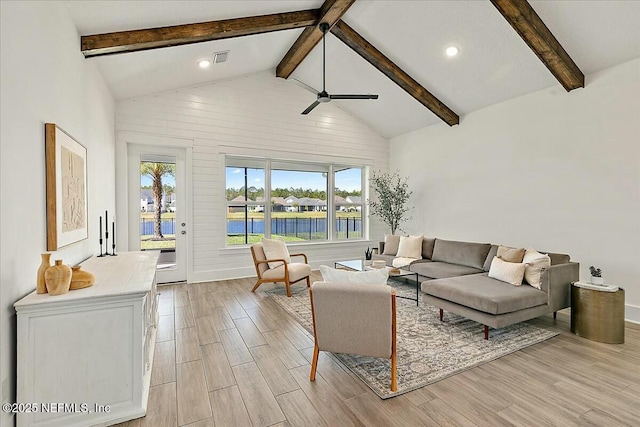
598	315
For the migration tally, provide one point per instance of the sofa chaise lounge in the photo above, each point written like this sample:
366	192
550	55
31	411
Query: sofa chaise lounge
453	276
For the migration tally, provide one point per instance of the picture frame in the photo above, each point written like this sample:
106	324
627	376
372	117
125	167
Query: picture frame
66	188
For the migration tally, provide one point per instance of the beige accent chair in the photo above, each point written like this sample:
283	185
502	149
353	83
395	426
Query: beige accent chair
286	273
354	318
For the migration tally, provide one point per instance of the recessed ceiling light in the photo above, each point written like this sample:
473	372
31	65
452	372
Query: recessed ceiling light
452	51
204	63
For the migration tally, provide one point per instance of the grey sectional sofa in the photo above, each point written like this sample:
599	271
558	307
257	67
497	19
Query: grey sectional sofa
454	277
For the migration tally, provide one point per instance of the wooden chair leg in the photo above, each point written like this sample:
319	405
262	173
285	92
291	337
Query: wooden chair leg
486	332
308	282
288	288
555	315
441	314
258	283
314	363
394	380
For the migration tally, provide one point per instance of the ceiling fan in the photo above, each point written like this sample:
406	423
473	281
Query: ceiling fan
324	96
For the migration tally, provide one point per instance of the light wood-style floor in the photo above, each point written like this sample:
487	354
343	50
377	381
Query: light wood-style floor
228	357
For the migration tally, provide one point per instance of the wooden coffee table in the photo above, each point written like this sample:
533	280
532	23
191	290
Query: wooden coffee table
358	265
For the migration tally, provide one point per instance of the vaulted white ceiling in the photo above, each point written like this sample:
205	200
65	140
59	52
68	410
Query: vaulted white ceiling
494	64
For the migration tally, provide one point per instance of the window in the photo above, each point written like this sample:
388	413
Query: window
289	200
348	202
245	202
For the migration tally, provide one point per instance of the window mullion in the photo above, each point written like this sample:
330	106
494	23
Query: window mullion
331	212
267	199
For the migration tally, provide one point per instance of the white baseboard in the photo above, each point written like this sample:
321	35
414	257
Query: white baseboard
632	313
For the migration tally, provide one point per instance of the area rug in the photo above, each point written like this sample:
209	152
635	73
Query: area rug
428	350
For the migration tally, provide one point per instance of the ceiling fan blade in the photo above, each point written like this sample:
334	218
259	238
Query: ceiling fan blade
310	107
303	85
353	96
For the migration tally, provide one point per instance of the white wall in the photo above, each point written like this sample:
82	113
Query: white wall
45	78
254	115
553	170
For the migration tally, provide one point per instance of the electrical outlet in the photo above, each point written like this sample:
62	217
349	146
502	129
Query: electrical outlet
5	390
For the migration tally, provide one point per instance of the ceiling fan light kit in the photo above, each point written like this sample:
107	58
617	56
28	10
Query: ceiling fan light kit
324	96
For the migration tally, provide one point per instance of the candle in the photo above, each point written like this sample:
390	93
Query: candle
101	228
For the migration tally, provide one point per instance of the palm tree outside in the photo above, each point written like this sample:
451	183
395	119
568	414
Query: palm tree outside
156	171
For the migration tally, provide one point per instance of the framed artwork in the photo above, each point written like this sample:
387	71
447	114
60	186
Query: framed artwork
66	169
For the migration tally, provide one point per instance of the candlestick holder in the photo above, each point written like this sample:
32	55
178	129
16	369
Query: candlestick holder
113	248
106	243
101	254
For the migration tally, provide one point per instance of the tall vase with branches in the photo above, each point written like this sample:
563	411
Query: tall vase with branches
392	194
156	171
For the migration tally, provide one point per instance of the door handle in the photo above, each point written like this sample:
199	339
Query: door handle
183	232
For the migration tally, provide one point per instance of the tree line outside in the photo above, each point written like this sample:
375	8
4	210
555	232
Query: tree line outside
253	193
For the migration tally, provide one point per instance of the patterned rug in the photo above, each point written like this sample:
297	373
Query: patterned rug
428	350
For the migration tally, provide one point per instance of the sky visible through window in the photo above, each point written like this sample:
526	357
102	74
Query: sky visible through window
349	179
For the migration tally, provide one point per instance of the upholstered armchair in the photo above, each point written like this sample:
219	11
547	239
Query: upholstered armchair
354	318
284	271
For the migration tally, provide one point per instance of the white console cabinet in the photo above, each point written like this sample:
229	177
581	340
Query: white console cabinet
91	349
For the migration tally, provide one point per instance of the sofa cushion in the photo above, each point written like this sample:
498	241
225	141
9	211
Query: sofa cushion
508	272
510	254
427	247
461	253
535	262
439	270
492	252
391	243
480	292
410	247
372	277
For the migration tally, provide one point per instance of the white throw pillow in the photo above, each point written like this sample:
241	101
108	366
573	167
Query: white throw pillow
333	275
535	263
410	247
374	277
391	243
510	272
275	249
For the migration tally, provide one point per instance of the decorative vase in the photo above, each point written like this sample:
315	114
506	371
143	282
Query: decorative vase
41	287
597	280
58	278
80	279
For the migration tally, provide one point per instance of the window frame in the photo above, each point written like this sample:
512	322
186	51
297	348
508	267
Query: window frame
297	165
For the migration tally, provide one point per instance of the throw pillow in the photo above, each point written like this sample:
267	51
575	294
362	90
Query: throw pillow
333	275
373	277
536	262
510	254
391	243
510	272
275	249
410	247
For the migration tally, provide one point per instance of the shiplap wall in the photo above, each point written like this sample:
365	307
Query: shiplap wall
254	115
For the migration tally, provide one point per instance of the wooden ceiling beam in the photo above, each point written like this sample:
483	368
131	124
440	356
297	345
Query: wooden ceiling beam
535	33
330	13
154	38
376	58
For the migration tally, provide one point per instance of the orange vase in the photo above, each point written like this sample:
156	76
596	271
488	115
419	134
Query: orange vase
58	278
80	278
41	287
